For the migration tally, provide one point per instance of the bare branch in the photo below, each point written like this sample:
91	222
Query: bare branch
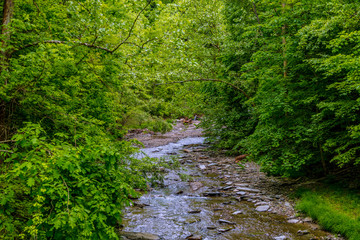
132	27
256	14
212	80
43	15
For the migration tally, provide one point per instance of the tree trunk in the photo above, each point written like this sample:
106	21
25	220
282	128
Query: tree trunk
283	32
8	10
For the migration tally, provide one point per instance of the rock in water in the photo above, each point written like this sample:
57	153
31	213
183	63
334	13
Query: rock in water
212	194
202	167
194	237
138	236
196	185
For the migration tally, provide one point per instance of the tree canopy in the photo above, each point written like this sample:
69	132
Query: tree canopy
278	80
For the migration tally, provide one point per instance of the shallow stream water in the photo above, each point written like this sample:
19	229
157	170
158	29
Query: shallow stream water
178	210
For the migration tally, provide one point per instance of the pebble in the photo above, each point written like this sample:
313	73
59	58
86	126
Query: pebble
138	235
212	194
202	167
241	193
237	212
302	232
245	189
293	221
192	220
194	211
263	208
226	222
241	184
261	203
225	229
196	185
194	237
281	238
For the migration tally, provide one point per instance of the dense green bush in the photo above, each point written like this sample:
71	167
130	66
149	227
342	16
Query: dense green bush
52	189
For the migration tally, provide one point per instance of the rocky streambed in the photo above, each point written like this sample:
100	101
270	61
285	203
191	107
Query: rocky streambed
211	197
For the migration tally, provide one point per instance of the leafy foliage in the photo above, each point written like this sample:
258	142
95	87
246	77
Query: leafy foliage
298	62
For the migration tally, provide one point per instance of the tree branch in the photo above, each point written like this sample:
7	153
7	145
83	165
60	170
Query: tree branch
212	80
132	27
64	42
5	141
68	194
6	151
256	14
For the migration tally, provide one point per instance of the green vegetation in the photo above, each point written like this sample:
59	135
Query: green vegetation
296	62
276	80
336	209
185	177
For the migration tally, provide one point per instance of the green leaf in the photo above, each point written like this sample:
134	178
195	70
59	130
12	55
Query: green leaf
31	182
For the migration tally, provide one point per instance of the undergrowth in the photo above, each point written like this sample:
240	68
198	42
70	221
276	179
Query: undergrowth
334	208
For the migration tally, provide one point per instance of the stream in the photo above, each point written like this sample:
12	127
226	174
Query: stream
197	205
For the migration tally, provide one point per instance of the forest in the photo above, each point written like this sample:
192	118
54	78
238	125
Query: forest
278	80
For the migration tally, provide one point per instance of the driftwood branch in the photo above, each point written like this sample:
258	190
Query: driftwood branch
132	28
212	80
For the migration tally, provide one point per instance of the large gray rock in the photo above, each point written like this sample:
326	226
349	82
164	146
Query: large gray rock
138	236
